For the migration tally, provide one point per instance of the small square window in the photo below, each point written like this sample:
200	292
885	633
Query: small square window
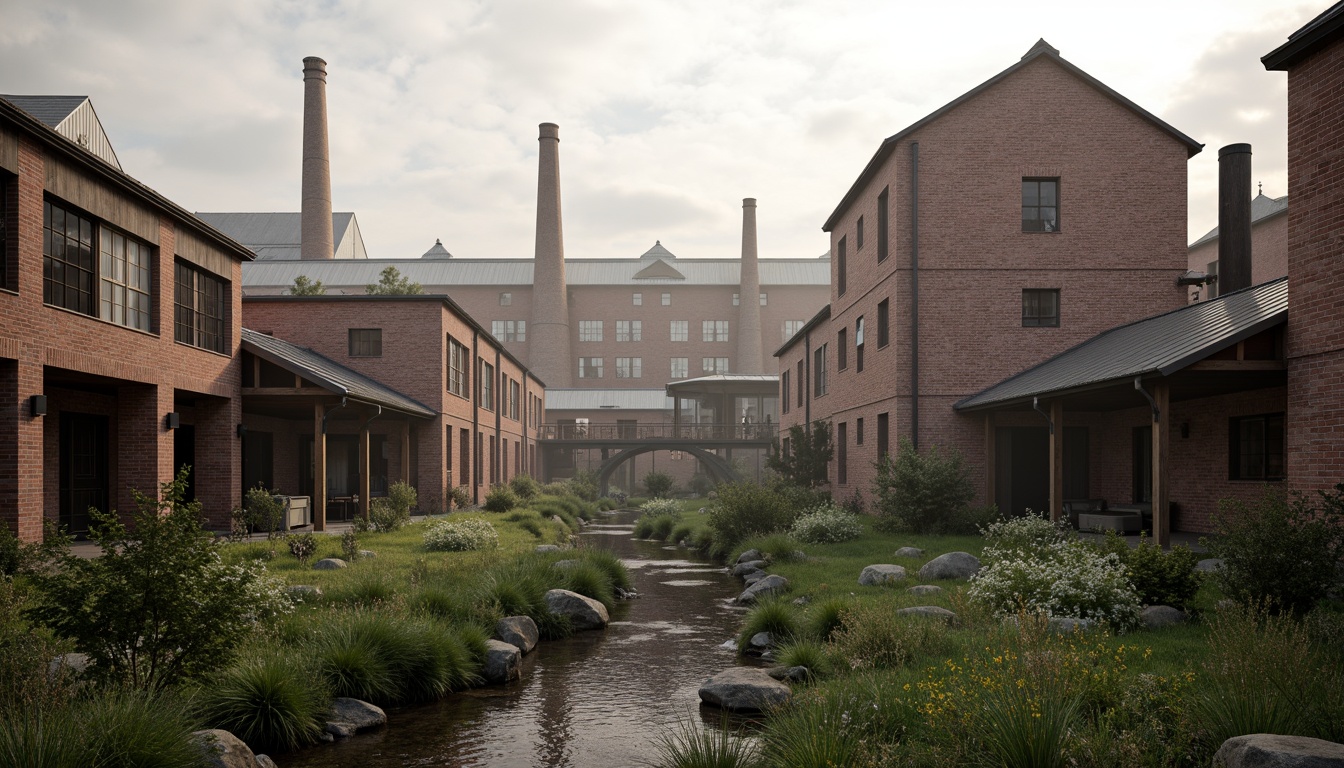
667	299
366	342
505	299
1040	205
1040	307
1256	448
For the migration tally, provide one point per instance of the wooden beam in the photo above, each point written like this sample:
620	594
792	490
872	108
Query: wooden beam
319	469
1238	365
1161	465
1056	459
364	484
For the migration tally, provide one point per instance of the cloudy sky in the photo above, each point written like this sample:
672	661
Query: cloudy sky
670	111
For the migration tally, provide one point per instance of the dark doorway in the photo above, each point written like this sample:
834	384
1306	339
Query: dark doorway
1022	477
307	465
1076	470
83	469
184	455
258	460
1143	464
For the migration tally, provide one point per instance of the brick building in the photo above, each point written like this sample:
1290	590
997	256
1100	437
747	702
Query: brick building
119	330
1269	247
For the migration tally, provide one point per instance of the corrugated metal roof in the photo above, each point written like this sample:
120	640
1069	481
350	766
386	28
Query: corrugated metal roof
1262	207
74	118
439	274
330	374
608	399
278	236
1158	345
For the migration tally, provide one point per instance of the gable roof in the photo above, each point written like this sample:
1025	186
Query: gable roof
658	269
1160	345
1262	207
74	118
657	252
1040	49
331	375
1306	40
278	236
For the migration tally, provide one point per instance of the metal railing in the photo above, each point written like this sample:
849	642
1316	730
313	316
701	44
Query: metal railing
661	431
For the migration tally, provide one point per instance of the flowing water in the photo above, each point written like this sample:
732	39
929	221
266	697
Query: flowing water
595	699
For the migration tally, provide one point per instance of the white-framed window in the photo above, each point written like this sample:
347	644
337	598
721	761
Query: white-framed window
681	330
505	299
590	367
681	367
629	367
638	299
509	330
792	327
714	330
629	330
590	330
714	364
667	299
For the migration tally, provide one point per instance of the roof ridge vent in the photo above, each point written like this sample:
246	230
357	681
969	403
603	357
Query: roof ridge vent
1040	47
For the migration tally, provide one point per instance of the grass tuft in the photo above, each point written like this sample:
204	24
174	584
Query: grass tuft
774	616
270	703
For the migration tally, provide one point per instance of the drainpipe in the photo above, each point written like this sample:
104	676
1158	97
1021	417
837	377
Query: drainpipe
914	294
1138	385
1036	406
327	414
499	414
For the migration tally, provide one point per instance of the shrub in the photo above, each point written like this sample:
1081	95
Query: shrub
873	636
1160	577
827	524
700	484
606	504
746	509
1026	533
524	487
806	465
460	496
922	492
774	616
659	484
1066	579
158	605
385	516
272	703
584	485
15	556
500	499
350	545
1285	550
302	546
264	513
682	532
460	535
656	507
387	659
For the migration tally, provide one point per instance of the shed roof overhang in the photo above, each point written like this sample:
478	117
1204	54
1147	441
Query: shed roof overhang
740	384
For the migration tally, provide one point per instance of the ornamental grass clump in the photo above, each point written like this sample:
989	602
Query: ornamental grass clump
826	524
693	744
460	535
776	617
272	702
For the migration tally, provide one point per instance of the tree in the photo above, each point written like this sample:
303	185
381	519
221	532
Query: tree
659	484
809	456
391	283
928	492
305	287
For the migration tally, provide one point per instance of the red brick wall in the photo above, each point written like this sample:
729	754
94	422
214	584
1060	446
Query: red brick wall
1269	253
1316	269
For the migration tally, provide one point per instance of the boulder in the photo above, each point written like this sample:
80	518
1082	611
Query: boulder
742	569
583	612
878	575
1067	625
564	565
543	548
744	689
909	552
931	611
802	601
772	584
953	565
74	663
1159	616
301	592
224	750
329	564
791	674
367	553
1209	564
797	554
353	715
518	631
265	761
753	577
503	662
760	642
749	555
924	590
1267	750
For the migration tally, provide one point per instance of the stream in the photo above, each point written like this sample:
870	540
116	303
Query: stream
594	699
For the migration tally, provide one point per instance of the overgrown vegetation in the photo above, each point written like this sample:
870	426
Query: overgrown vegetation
926	492
806	462
392	283
460	535
659	484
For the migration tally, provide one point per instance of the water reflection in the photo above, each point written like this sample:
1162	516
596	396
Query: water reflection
598	698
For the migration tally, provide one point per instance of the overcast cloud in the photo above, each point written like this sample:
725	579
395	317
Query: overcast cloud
670	112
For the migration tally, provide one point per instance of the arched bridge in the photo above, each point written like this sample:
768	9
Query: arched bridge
621	442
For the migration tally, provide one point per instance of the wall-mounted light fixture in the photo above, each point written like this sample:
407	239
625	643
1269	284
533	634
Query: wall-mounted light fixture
172	421
37	405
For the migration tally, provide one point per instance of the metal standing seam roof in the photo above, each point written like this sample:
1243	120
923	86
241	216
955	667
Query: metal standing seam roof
330	374
608	399
51	110
275	236
336	273
1306	39
1262	207
1160	345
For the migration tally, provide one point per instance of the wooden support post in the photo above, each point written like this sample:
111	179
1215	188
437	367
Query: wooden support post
319	469
364	462
1057	460
1161	466
991	460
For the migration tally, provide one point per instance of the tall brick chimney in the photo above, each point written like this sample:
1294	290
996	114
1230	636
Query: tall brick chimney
749	293
549	347
1234	218
317	240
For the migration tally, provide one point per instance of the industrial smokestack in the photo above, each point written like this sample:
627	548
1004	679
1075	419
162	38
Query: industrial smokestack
749	291
549	348
317	241
1234	218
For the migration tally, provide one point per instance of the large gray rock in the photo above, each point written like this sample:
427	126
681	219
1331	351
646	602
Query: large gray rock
1267	750
1067	625
742	569
69	663
518	631
265	761
329	564
953	565
930	611
744	689
503	662
583	612
1159	616
224	750
753	577
770	585
543	548
302	592
348	716
879	575
909	552
924	590
760	642
749	555
1209	564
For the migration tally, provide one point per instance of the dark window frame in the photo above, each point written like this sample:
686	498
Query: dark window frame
200	306
69	259
802	381
883	323
1262	457
1034	314
858	344
858	431
842	269
842	454
842	349
883	435
784	391
883	199
1036	204
858	234
820	384
364	342
8	224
